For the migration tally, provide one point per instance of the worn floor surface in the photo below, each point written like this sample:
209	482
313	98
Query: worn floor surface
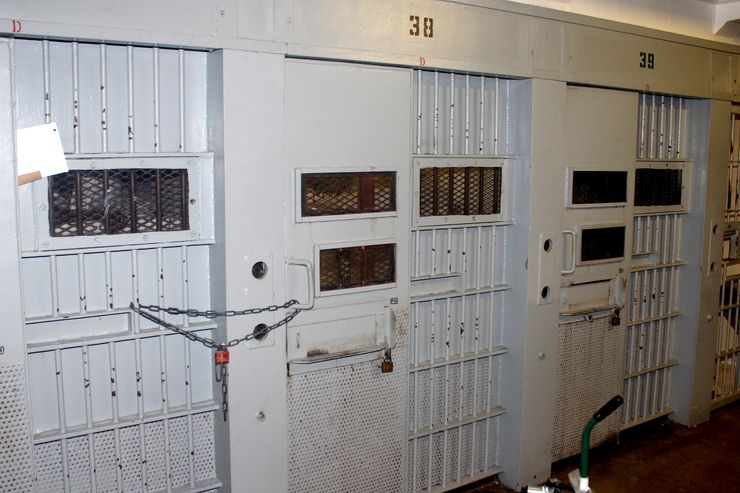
661	457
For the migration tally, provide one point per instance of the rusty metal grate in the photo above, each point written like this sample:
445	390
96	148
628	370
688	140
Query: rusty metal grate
118	201
602	243
353	267
459	191
328	194
599	187
655	187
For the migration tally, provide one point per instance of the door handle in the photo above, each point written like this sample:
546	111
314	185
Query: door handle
572	234
309	277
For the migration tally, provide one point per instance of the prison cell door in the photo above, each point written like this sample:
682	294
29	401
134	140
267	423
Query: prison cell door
601	127
726	381
347	141
462	202
117	403
662	180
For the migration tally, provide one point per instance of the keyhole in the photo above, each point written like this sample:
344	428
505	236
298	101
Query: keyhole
260	331
259	270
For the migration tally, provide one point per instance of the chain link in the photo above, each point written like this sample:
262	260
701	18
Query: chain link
144	310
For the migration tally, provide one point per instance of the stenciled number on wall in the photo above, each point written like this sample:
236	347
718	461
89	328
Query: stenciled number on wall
421	26
647	60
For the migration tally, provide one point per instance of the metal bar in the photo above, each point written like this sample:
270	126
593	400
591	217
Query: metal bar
451	148
495	118
419	113
143	461
54	285
87	385
104	97
119	456
435	135
155	61
130	94
467	113
76	96
60	391
106	218
679	143
481	137
181	101
47	80
167	455
78	197
642	126
158	199
671	116
113	381
93	468
81	284
191	449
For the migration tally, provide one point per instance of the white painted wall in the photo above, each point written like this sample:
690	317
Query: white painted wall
689	17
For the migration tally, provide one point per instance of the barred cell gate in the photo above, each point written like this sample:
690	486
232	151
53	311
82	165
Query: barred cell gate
462	166
662	184
727	350
116	402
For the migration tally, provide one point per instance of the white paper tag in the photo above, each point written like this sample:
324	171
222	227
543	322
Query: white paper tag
39	148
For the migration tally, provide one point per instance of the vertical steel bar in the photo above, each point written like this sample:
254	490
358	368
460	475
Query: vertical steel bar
54	285
104	97
642	122
93	465
130	99
47	80
495	119
191	449
451	149
89	418
435	135
113	381
481	137
679	127
119	457
60	391
671	117
76	96
142	455
419	112
65	465
181	101
467	114
155	57
81	285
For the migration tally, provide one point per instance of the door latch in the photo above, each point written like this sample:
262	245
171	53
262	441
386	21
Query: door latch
615	319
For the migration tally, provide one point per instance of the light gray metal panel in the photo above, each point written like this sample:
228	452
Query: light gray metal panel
612	59
16	466
590	372
113	98
347	425
722	79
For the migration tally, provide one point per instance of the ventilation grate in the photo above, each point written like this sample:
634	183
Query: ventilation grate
352	267
326	194
599	187
655	187
459	191
602	244
118	201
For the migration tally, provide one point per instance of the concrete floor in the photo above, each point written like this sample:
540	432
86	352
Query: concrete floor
661	457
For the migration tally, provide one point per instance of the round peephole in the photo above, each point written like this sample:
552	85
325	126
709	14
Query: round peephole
545	293
259	270
547	245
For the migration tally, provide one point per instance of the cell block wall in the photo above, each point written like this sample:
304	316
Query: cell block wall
586	354
652	314
331	411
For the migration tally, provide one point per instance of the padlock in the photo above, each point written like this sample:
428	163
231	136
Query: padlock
387	364
222	355
615	319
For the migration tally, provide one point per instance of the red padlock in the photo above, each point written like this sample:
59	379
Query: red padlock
222	356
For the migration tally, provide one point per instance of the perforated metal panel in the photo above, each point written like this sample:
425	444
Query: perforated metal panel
346	425
590	372
16	466
156	456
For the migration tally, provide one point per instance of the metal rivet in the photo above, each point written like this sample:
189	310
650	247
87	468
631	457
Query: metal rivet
261	416
93	165
42	207
541	356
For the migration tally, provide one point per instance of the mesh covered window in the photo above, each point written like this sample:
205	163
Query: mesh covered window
602	243
655	187
118	201
459	191
599	187
328	194
354	267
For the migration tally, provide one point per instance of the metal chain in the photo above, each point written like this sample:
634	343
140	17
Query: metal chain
222	376
171	310
210	343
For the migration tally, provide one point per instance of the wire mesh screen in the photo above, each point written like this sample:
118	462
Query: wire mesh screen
118	201
459	191
325	194
599	187
655	187
602	243
353	267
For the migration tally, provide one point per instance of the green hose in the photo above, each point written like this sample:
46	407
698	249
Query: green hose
585	439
